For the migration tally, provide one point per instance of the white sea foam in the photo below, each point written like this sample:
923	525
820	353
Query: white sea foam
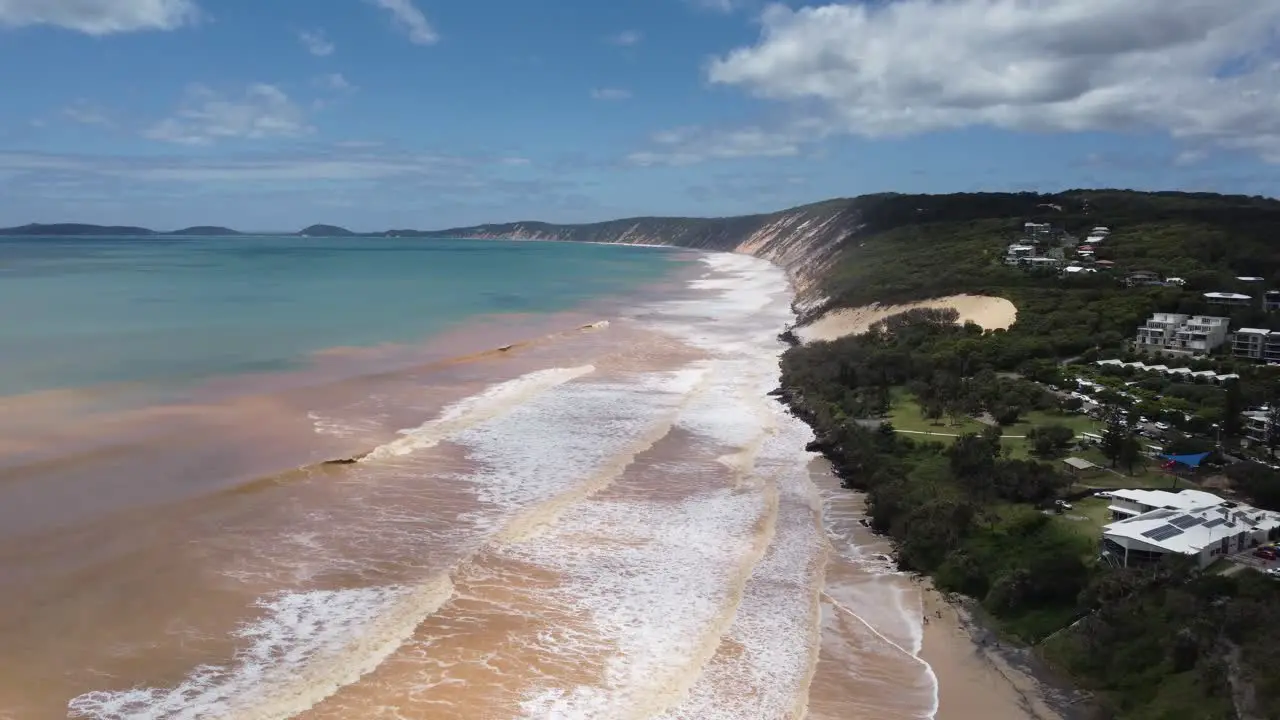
302	649
491	403
564	438
658	584
769	649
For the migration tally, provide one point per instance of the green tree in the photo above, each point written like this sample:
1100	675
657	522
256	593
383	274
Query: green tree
1049	440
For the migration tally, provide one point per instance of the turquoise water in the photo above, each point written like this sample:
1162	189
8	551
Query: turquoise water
76	312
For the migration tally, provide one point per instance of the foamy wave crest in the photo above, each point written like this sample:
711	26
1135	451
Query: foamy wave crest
660	583
747	308
303	649
765	660
580	435
476	409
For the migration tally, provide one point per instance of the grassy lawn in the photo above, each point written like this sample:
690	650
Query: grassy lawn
1079	423
905	415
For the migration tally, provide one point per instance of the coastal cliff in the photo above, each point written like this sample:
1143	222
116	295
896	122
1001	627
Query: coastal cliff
804	240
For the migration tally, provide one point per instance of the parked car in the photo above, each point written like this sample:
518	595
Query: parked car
1103	494
1063	504
1162	426
1266	553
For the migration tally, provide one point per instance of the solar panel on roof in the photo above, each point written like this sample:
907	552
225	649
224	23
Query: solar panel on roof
1186	521
1215	523
1164	532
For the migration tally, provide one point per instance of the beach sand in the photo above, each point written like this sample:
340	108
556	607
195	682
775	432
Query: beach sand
979	676
989	312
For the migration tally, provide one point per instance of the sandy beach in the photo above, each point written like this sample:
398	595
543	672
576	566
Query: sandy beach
990	313
981	677
977	675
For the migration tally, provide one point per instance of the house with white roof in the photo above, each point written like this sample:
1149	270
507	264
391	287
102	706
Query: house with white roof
1228	298
1257	344
1132	503
1203	532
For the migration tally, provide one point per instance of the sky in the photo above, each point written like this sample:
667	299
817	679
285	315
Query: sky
377	114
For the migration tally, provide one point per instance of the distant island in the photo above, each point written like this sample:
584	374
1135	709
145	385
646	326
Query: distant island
326	231
206	230
70	229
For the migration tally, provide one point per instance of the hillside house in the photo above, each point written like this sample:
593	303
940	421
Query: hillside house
1271	300
1257	424
1256	344
1228	299
1141	277
1182	334
1038	232
1200	335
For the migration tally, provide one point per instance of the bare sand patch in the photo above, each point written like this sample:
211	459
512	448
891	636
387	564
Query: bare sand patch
988	312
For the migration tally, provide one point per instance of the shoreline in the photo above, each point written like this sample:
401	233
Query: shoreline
975	674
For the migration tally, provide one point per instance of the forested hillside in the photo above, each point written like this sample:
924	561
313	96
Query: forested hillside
1165	642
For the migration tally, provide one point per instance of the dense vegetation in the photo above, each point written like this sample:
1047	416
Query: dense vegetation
1166	642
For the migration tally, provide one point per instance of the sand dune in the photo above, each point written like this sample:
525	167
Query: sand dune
989	312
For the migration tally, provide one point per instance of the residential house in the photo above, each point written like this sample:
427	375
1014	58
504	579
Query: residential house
1228	299
1257	424
1203	532
1141	277
1038	231
1250	343
1271	300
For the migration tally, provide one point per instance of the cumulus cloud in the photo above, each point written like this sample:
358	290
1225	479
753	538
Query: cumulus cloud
99	17
610	94
411	19
1200	70
206	116
316	42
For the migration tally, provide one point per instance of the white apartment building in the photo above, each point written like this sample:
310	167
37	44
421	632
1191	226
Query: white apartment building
1159	330
1200	334
1256	344
1182	334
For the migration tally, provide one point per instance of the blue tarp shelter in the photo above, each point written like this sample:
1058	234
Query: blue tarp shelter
1191	461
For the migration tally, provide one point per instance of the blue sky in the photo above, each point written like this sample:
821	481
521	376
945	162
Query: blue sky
424	113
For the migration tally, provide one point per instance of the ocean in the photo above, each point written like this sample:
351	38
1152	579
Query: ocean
377	478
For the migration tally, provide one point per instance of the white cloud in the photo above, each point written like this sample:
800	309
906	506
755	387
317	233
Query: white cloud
610	94
261	111
335	165
100	17
1200	70
316	42
626	38
411	19
694	144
